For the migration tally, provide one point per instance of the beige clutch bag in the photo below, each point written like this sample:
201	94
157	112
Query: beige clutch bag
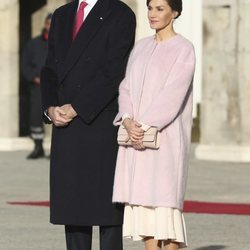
150	139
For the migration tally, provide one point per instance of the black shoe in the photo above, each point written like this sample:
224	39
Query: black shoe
38	151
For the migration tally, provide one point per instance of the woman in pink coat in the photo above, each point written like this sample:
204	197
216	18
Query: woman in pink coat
156	92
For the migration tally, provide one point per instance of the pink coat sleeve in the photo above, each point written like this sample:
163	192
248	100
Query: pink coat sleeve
168	103
124	100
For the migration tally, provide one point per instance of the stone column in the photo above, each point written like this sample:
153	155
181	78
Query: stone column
9	18
9	71
190	26
243	69
39	16
143	28
225	107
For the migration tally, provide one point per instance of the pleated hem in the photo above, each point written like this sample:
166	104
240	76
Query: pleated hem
161	223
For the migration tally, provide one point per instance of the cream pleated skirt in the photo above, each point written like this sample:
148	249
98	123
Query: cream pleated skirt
162	223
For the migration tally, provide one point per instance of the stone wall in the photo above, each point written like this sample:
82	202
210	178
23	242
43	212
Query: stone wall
225	123
243	69
8	68
39	16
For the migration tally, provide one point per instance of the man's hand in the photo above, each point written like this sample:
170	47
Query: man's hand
36	80
57	115
70	113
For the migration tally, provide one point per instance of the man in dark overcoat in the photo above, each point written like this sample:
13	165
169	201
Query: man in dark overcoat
79	96
33	59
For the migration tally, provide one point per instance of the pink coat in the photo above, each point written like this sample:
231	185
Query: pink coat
157	91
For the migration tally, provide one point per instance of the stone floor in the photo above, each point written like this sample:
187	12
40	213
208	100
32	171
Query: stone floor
27	228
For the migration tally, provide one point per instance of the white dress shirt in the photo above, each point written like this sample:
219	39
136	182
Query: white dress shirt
88	8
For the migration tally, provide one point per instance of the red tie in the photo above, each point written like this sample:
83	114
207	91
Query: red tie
79	19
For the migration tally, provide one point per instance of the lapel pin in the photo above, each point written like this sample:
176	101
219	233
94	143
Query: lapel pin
101	18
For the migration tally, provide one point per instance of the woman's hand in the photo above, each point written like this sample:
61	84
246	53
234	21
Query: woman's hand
135	132
138	145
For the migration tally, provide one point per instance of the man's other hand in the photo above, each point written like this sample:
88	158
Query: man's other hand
58	116
70	113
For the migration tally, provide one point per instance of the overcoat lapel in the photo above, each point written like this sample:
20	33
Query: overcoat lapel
91	25
67	26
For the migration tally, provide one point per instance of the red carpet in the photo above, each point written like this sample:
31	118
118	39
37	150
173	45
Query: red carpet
189	207
30	203
216	208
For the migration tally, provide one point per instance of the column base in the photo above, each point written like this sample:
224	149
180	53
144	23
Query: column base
20	143
231	153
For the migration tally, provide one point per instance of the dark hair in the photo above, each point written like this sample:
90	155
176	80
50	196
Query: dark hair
49	16
175	5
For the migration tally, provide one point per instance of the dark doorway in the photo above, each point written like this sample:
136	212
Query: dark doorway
27	8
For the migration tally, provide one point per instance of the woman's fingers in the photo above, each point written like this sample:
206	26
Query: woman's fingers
137	132
137	124
138	145
135	146
136	138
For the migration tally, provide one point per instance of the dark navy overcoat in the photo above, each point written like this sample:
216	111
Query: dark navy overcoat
86	73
